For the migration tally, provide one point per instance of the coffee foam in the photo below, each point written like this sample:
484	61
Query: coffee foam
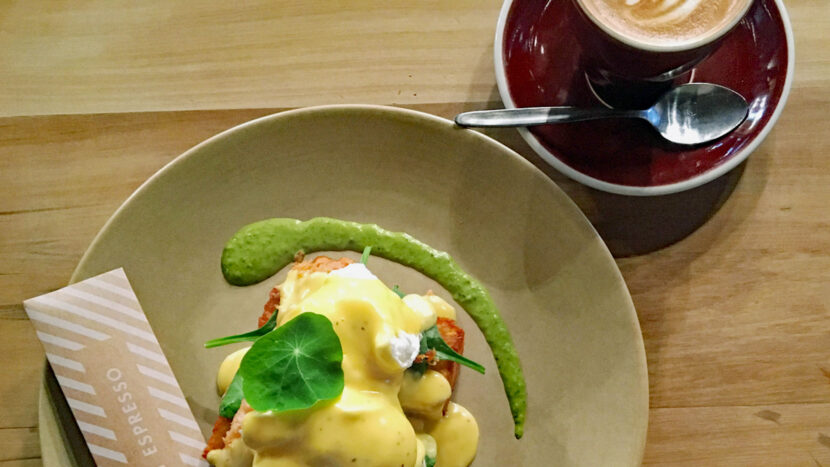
665	22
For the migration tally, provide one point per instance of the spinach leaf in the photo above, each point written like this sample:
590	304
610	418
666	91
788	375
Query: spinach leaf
419	368
433	340
397	290
248	336
364	258
232	398
293	367
429	461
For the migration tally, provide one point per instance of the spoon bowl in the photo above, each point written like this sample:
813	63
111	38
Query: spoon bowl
690	114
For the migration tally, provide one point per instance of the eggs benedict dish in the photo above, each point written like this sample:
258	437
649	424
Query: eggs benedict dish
344	371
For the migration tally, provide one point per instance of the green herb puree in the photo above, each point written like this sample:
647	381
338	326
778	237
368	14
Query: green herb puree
259	250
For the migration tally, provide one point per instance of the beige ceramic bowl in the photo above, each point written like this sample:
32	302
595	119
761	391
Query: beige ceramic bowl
504	221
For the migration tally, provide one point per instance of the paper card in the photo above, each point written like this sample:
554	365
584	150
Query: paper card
114	375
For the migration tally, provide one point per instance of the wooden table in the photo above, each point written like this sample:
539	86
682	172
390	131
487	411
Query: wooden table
96	96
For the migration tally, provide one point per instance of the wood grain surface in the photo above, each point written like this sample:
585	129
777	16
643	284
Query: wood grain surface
731	281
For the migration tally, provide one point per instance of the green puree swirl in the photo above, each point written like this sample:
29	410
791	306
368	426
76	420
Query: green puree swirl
259	250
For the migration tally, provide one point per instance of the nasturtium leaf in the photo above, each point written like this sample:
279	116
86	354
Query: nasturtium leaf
431	338
248	336
293	367
232	398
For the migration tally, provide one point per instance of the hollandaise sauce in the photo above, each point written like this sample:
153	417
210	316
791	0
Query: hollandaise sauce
259	250
385	416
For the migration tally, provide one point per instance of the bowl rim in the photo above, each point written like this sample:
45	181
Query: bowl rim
655	190
283	114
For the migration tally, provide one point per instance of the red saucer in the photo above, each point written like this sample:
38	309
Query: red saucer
538	64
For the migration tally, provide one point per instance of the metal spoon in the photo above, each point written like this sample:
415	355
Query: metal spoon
689	114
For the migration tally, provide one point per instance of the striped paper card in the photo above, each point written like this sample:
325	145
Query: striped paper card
114	375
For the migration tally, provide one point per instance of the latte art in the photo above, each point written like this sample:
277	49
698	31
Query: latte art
661	12
665	21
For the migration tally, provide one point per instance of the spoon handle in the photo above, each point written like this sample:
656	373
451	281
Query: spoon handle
531	116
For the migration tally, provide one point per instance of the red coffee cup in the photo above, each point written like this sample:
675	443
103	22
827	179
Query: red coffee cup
628	69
